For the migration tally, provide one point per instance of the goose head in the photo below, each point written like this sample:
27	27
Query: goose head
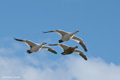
76	47
60	41
28	51
44	43
63	53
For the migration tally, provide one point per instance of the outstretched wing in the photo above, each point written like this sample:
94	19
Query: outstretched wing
29	43
80	42
62	33
63	46
49	49
81	53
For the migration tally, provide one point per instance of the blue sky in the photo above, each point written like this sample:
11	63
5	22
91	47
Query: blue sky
97	22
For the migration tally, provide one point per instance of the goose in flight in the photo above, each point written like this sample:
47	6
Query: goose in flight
36	47
69	50
67	36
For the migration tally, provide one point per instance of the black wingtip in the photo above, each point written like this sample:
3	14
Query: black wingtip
45	32
48	31
55	52
18	39
52	44
86	59
84	47
15	39
86	50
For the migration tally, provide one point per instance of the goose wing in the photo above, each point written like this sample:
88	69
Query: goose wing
63	46
80	42
49	49
80	53
62	33
29	43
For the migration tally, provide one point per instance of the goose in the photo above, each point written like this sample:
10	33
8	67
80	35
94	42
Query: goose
69	50
35	47
67	36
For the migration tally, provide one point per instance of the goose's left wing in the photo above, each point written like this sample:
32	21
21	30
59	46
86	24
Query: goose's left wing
28	42
60	32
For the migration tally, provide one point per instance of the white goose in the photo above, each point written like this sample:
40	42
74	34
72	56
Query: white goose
69	50
36	47
67	36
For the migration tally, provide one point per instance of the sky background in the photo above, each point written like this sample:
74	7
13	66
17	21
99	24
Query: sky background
98	23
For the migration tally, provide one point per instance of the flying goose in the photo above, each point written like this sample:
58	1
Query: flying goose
69	50
67	36
36	47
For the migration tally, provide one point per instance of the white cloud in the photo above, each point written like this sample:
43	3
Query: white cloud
71	68
40	67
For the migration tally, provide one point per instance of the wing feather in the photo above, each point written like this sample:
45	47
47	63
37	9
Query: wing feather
29	43
63	46
49	49
80	42
81	54
60	32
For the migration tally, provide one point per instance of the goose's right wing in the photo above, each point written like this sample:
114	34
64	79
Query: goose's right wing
81	54
62	33
29	43
80	42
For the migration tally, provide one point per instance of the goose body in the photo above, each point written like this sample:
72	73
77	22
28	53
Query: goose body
36	47
66	36
69	50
